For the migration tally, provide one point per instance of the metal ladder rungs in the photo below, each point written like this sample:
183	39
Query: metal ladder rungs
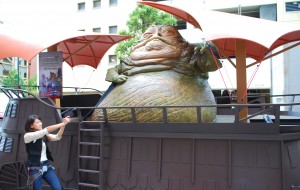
90	157
90	143
89	185
93	122
90	130
89	171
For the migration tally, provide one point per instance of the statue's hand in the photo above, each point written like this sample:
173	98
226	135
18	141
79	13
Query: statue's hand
205	60
120	79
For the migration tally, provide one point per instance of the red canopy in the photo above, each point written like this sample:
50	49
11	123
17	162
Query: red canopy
14	43
87	49
77	47
260	36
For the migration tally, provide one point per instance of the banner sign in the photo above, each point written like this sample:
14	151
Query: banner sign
50	74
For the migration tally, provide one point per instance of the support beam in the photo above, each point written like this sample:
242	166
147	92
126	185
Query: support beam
52	48
241	76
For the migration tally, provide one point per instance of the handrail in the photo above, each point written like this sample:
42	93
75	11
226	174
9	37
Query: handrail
178	106
271	108
261	96
258	96
76	89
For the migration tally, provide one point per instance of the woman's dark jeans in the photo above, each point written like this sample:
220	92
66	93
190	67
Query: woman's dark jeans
49	176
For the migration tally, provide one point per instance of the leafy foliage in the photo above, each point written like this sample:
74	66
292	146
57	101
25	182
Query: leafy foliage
12	81
139	20
32	83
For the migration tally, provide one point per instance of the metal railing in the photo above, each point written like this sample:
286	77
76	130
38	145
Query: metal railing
253	123
16	91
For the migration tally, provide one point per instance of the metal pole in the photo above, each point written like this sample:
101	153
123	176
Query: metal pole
28	66
241	76
18	68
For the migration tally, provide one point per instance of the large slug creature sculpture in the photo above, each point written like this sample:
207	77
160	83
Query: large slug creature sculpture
163	69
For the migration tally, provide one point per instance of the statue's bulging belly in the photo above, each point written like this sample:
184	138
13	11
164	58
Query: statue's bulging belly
165	88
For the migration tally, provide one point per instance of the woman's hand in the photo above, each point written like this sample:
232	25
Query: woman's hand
66	120
60	126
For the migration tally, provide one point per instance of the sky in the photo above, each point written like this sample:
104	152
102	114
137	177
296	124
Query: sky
25	17
32	13
35	19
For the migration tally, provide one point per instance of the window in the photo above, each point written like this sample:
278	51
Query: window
6	144
5	72
113	29
112	59
7	60
25	75
97	30
97	4
81	6
292	6
113	2
180	25
25	63
251	11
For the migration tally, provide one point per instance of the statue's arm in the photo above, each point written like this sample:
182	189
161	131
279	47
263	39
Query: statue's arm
113	75
205	60
118	74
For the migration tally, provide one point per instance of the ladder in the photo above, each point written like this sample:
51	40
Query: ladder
90	155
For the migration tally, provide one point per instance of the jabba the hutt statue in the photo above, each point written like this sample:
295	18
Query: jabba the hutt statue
163	69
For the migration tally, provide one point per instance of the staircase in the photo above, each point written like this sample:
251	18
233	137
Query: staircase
90	155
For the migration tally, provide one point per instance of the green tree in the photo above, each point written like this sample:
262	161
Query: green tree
139	20
12	81
32	83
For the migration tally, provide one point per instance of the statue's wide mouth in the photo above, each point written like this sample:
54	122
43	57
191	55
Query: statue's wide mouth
143	62
156	49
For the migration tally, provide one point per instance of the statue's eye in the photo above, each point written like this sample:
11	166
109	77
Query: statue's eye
147	35
169	33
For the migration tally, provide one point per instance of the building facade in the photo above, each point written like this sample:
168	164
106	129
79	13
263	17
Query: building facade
101	16
110	16
277	75
10	63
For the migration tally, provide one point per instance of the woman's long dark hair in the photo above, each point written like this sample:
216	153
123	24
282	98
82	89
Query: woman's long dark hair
30	121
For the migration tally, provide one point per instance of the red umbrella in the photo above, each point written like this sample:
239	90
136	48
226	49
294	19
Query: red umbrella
14	43
259	35
87	49
180	13
77	47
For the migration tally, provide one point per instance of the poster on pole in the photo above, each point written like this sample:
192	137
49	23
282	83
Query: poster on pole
50	74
